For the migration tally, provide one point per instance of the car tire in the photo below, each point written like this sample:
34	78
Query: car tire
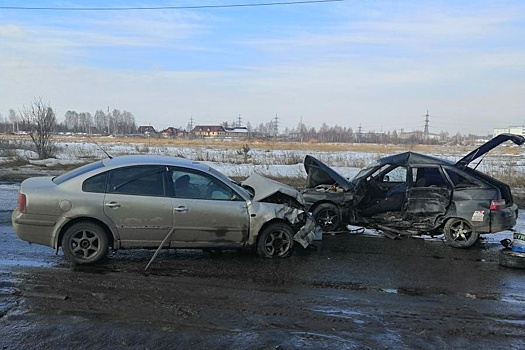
85	243
275	241
510	258
460	233
327	216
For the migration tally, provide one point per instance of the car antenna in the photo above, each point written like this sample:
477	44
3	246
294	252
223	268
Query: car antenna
102	149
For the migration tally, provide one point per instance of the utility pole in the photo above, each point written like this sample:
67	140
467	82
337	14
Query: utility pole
109	118
239	121
359	133
425	130
301	126
191	123
276	126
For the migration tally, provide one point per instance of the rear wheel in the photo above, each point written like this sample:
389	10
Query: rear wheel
275	241
327	216
460	233
85	243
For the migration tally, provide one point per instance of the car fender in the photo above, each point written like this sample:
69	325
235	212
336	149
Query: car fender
64	222
262	213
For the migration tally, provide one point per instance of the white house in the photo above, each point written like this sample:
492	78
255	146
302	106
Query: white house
517	130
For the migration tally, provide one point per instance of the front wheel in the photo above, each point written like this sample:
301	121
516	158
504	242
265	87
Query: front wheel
85	243
460	233
275	241
327	216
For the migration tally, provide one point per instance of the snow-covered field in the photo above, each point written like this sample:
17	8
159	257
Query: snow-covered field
274	163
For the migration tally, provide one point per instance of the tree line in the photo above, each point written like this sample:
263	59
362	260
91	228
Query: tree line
343	134
107	123
38	120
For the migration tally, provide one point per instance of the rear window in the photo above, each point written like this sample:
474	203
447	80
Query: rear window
460	180
77	172
95	183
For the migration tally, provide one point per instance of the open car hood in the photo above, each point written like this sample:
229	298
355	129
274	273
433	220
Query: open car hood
321	174
489	145
265	187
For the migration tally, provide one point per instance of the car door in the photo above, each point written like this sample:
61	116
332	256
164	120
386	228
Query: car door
207	212
136	201
428	195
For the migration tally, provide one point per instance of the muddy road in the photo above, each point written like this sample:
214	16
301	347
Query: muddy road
354	291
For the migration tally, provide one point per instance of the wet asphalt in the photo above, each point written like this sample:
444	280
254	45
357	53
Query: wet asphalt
414	267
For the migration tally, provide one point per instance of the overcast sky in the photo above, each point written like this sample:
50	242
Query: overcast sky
378	64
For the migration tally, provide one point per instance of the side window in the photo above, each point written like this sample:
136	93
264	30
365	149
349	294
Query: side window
395	181
428	176
197	185
138	180
460	180
398	174
95	183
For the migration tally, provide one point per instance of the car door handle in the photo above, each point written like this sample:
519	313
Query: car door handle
181	209
113	205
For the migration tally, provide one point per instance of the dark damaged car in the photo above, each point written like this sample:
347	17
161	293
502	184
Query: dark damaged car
413	194
145	201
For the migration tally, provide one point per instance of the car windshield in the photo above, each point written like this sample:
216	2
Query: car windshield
365	171
237	187
76	172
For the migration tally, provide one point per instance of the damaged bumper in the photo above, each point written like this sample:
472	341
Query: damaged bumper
309	232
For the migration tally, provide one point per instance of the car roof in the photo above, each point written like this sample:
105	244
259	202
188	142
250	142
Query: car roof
412	158
152	160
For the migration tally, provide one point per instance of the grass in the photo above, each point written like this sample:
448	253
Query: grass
270	145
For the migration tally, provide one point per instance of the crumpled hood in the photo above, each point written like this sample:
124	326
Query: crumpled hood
265	187
321	174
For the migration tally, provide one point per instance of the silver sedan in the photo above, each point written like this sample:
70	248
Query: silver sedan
152	201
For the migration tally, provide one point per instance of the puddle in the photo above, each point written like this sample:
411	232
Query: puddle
9	186
514	322
341	313
24	263
390	290
514	299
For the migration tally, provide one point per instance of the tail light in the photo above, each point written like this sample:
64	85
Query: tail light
497	204
21	202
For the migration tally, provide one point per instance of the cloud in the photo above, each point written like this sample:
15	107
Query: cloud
380	65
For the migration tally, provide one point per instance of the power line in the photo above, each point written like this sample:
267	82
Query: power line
166	7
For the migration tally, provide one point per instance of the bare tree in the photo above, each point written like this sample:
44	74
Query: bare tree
41	121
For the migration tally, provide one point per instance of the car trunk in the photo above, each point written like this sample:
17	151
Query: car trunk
36	189
479	152
504	189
